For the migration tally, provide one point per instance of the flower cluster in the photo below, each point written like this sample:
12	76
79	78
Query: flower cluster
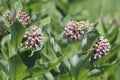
24	19
3	31
101	48
34	39
7	17
74	30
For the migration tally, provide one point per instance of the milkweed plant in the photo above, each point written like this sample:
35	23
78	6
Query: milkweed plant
33	48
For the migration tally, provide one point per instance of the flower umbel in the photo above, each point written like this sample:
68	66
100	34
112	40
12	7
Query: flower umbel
74	30
101	48
7	17
3	31
24	19
34	39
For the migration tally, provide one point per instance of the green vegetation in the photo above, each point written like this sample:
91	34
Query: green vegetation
36	42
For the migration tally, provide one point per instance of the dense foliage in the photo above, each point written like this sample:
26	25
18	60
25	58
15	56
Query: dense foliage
59	40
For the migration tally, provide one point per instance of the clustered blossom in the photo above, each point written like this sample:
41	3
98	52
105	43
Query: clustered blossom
24	19
7	17
3	31
101	48
34	39
74	30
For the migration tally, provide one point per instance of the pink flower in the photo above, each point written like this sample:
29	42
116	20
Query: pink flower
101	48
3	31
74	30
34	39
24	19
7	17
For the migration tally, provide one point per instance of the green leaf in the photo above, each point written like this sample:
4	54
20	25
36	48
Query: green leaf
79	63
67	64
4	65
67	19
3	48
52	10
29	60
12	15
12	50
3	76
48	76
37	71
112	34
71	49
95	72
83	74
92	27
89	40
48	53
118	72
55	46
104	24
65	76
18	7
118	38
17	69
45	21
17	33
100	70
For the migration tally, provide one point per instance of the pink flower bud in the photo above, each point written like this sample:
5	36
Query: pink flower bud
34	39
7	17
101	48
24	19
74	30
3	31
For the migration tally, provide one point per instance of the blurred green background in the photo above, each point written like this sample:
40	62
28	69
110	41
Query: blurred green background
105	12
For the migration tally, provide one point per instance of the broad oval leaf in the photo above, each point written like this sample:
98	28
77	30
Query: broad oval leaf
89	40
18	6
40	70
67	19
95	72
100	70
112	34
17	69
71	49
17	32
79	63
4	65
45	21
